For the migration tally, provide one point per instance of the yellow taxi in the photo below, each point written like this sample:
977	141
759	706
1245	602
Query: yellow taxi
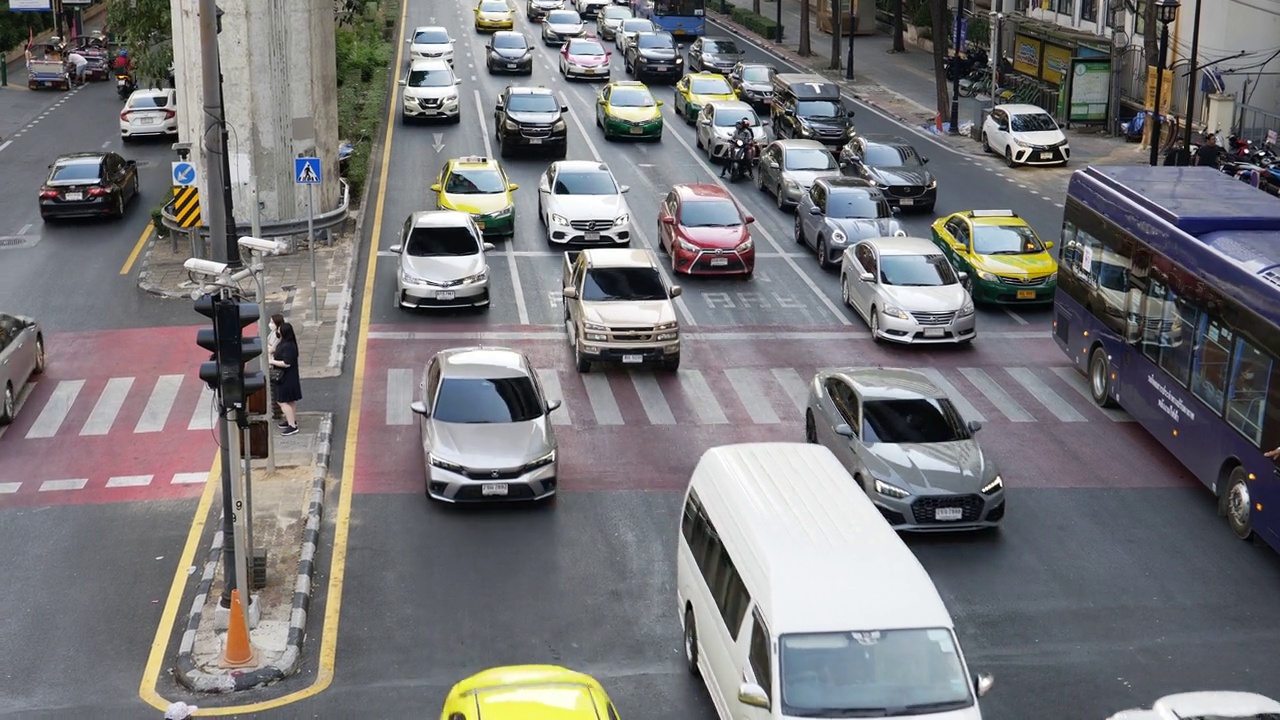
697	89
528	692
627	109
1006	262
479	186
492	15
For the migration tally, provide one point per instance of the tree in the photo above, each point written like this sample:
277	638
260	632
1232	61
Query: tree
805	50
755	6
835	33
145	27
899	45
941	41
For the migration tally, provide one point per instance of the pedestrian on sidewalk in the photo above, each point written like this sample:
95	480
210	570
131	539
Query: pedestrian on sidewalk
289	391
180	711
80	64
273	339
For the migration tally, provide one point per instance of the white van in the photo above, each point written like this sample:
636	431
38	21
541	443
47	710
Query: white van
799	601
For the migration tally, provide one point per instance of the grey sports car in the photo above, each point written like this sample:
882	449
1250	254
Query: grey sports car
903	440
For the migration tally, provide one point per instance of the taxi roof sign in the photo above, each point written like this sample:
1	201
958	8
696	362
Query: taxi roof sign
992	213
479	159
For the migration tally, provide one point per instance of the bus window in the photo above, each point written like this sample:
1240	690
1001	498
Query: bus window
1175	356
1157	320
1213	350
1250	376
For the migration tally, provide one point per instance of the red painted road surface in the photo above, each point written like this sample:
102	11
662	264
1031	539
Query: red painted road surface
645	430
117	416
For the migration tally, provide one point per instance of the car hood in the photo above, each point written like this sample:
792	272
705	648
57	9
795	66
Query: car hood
954	467
442	269
901	175
1040	137
756	87
716	237
587	207
862	228
805	178
657	53
698	99
513	53
548	4
825	124
566	28
635	114
491	445
482	204
534	118
588	60
431	92
1038	264
942	298
503	15
721	59
628	313
611	23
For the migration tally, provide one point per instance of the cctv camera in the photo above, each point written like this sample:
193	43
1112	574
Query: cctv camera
266	247
205	267
183	150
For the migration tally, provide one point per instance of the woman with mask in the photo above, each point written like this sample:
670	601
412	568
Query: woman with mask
289	390
273	338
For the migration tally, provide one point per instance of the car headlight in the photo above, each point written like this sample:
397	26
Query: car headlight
409	277
790	184
558	219
967	309
746	245
889	490
850	131
989	277
996	484
510	126
444	464
932	184
679	61
621	220
1053	277
895	312
874	182
479	277
542	461
806	131
593	327
838	237
706	58
558	126
504	212
687	246
667	326
451	100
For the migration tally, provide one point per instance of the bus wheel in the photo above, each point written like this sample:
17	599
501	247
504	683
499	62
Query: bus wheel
690	641
1237	504
1100	378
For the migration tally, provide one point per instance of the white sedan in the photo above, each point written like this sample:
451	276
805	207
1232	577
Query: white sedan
581	203
717	122
1025	135
149	112
430	42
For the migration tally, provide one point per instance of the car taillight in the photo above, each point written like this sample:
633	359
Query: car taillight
48	193
168	114
125	115
98	191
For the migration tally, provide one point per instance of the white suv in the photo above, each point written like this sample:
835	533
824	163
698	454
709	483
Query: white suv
1025	135
430	91
581	203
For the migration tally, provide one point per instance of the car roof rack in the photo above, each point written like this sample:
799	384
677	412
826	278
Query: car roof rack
991	213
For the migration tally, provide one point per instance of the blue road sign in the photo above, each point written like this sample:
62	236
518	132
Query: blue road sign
306	170
184	174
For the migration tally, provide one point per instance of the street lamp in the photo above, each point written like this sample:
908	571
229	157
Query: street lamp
955	80
1166	12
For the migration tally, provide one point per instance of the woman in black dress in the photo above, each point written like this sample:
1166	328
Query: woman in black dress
289	391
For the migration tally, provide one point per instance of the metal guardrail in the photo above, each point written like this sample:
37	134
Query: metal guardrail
269	230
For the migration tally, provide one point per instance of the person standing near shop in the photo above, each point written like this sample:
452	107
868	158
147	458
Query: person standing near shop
289	391
273	339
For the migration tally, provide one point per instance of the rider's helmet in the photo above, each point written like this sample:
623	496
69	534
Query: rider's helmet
123	54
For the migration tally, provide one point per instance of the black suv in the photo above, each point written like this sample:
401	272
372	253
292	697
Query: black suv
654	55
530	118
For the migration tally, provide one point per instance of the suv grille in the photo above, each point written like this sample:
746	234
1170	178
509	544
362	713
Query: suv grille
934	318
535	131
924	509
429	102
636	335
905	190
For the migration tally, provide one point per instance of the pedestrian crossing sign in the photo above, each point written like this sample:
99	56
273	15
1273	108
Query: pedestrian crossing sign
306	170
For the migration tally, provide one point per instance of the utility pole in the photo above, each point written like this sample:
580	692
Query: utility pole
835	33
955	62
222	244
1192	80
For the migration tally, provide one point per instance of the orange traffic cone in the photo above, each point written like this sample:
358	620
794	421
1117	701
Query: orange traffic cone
239	651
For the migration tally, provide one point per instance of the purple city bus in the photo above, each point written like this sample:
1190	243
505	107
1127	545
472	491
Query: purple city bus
1168	301
681	18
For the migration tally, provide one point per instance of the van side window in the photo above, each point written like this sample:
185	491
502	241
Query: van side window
717	567
759	655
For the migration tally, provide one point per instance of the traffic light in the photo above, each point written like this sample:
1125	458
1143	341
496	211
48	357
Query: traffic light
225	371
207	338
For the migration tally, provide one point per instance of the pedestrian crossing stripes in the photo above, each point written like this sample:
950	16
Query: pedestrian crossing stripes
116	482
773	396
97	408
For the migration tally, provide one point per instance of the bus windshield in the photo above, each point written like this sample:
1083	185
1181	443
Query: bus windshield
678	8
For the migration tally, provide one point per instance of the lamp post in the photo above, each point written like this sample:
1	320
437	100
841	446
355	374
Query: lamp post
955	81
1166	12
1192	79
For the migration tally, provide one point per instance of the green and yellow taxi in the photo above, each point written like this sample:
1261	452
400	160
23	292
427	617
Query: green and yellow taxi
479	186
697	89
529	692
626	109
1007	263
493	15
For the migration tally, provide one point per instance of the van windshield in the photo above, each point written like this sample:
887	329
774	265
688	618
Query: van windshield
872	673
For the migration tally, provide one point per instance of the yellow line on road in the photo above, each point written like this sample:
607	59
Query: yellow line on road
137	250
342	520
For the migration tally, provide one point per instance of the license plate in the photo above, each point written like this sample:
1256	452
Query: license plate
147	121
591	236
535	141
446	294
73	196
719	262
512	66
488	489
934	332
1046	156
948	514
632	359
680	31
1026	294
659	68
906	201
636	130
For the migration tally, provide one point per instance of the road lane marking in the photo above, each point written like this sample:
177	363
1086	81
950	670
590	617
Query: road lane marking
192	478
9	488
701	398
399	395
966	408
603	404
1016	317
138	247
204	416
1045	395
6	144
751	396
55	409
996	395
795	386
484	130
730	336
651	397
522	311
550	380
108	407
1077	382
129	481
58	485
159	405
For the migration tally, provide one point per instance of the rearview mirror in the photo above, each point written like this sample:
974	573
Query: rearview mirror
488	247
624	188
676	290
564	108
815	210
420	408
659	103
753	695
403	82
553	405
435	187
962	275
457	81
974	426
668	220
396	249
513	187
924	160
1048	245
982	683
750	219
569	293
844	430
866	277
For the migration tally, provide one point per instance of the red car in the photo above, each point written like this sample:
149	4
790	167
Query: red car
704	230
584	58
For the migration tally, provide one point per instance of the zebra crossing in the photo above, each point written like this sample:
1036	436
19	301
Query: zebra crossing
55	408
774	396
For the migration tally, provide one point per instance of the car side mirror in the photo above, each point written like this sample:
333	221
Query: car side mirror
676	290
1048	245
435	187
850	114
624	188
1002	127
680	47
553	405
753	695
564	108
513	187
962	275
569	293
457	81
420	408
866	277
403	82
959	247
498	106
397	249
764	123
895	209
408	41
843	430
659	103
924	160
982	683
608	53
488	247
815	210
974	426
668	220
599	101
750	219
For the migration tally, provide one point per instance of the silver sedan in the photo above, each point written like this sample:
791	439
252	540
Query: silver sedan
486	431
442	261
21	358
905	443
788	168
907	292
717	122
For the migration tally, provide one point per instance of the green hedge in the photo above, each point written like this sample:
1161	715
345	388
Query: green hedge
763	26
363	58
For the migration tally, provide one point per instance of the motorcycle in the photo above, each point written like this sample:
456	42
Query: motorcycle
740	160
125	85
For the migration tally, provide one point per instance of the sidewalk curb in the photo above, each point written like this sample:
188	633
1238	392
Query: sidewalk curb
200	681
144	267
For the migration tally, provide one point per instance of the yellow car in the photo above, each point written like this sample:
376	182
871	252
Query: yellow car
492	15
1006	262
627	109
528	692
478	185
697	89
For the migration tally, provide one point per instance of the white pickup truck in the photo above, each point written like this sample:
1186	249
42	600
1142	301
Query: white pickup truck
619	309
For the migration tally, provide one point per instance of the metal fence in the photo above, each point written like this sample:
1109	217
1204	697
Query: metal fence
1254	122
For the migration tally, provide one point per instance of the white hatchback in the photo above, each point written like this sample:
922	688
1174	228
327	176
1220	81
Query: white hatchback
149	112
1025	135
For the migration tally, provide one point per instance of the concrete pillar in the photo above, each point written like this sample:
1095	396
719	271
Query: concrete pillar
277	65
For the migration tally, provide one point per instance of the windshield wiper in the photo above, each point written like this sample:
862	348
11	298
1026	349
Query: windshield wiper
836	712
1005	252
922	708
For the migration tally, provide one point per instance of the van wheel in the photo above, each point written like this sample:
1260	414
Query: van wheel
1099	378
690	642
810	428
1237	504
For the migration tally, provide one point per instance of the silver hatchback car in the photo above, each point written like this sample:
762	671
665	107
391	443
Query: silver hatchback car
903	440
907	291
486	431
442	261
21	357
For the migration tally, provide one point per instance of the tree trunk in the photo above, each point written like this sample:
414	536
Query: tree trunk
941	41
805	50
898	44
1150	35
755	6
835	34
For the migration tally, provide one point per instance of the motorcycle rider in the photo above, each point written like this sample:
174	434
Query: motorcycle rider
121	64
741	131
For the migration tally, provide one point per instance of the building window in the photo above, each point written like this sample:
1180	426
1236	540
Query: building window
1089	10
1064	7
1140	18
